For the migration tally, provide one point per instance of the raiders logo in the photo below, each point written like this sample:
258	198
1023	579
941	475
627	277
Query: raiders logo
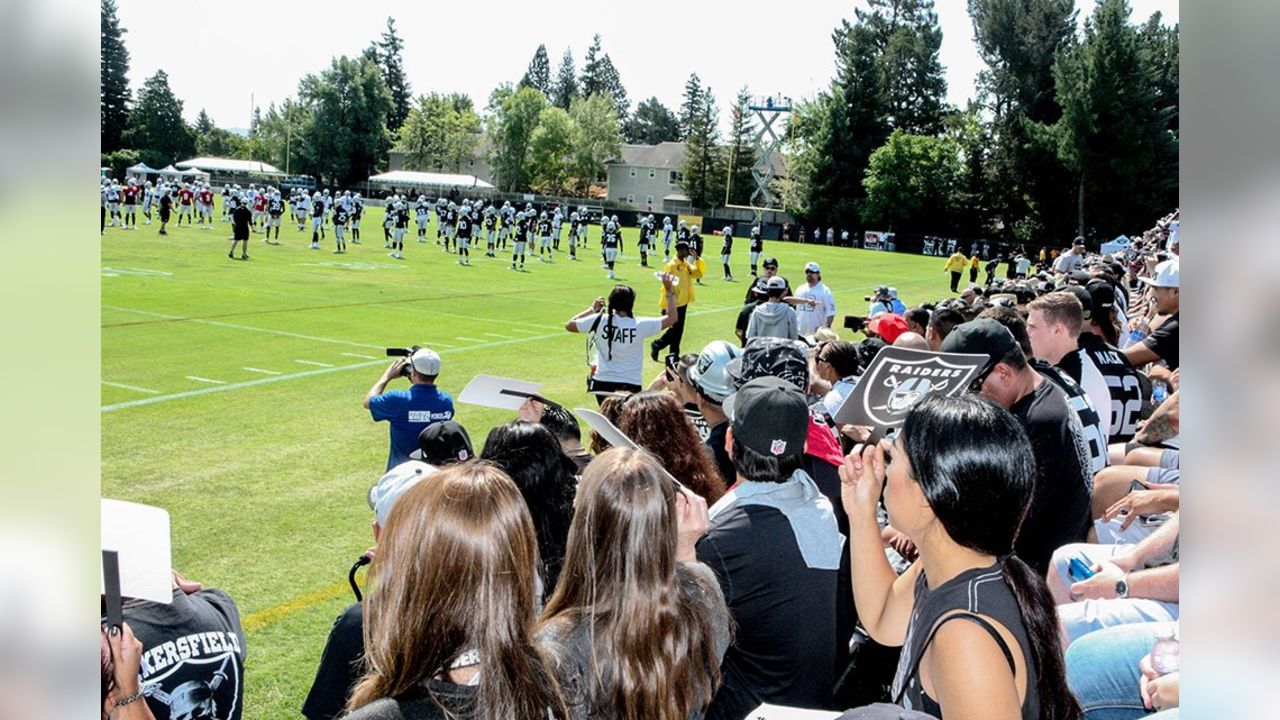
898	378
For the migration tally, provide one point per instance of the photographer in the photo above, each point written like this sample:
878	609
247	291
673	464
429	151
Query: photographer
409	411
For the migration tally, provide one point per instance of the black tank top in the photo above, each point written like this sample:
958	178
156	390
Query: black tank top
975	592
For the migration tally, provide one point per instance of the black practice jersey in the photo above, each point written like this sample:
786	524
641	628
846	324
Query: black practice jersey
1123	382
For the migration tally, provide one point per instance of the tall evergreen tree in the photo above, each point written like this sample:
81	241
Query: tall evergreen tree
156	128
741	151
538	76
1019	42
565	87
613	88
651	124
346	132
204	123
388	55
1160	56
703	168
593	80
114	91
1115	129
908	39
691	106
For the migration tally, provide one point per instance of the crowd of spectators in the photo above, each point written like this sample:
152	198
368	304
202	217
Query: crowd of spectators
1009	551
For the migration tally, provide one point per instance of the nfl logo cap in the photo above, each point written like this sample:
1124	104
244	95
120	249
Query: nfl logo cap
393	484
425	361
812	267
443	443
770	417
1166	275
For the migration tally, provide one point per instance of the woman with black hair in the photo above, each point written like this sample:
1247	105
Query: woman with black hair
531	455
615	342
959	478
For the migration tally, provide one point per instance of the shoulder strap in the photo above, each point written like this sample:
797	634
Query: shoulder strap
981	621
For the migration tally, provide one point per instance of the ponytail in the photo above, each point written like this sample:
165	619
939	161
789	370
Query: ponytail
1040	616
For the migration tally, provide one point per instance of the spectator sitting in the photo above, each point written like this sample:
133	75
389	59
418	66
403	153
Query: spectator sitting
960	477
442	444
774	545
1163	343
453	607
941	322
531	456
1053	328
917	320
773	318
656	422
342	662
911	341
709	378
1059	512
839	364
887	326
1111	673
639	626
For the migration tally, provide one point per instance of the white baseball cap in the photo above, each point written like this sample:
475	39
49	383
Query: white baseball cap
389	488
425	361
812	267
1166	275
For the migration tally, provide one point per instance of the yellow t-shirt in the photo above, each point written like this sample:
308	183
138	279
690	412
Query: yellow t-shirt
973	262
956	262
687	272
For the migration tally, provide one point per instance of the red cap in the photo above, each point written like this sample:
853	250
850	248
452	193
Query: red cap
888	326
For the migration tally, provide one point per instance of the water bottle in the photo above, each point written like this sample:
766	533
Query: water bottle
1159	391
1135	336
1164	654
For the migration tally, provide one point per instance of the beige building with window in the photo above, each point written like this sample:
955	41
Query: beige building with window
647	177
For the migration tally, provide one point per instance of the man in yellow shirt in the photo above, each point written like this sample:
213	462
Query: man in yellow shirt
955	265
686	267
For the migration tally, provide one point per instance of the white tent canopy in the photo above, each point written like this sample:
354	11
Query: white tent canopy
410	178
170	172
229	165
141	169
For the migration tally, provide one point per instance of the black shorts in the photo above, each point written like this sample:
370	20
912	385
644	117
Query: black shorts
164	214
605	386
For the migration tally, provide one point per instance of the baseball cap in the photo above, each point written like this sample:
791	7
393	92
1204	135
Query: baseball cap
682	243
1166	275
443	443
888	326
710	371
1079	240
425	361
393	484
1103	297
769	416
771	356
984	336
770	262
1085	298
812	267
775	283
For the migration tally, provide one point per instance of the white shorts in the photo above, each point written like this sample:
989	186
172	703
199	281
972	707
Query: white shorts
724	259
316	223
339	231
205	209
355	223
273	221
114	207
519	247
184	209
422	223
451	231
610	254
755	257
397	234
545	240
464	243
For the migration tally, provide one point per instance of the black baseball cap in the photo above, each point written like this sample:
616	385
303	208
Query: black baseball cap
770	262
1085	298
984	336
771	357
443	443
770	417
1103	297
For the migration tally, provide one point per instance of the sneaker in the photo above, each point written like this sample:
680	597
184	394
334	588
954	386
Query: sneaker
654	350
513	266
392	253
231	255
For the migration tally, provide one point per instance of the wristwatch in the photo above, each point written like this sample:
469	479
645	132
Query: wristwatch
1122	587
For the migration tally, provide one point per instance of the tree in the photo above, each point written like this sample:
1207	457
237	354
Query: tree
442	131
114	67
703	169
911	182
551	150
597	138
538	76
908	40
1019	42
387	53
971	209
513	116
691	105
346	132
613	88
1114	133
279	137
742	154
565	87
592	82
156	127
204	124
1159	44
652	123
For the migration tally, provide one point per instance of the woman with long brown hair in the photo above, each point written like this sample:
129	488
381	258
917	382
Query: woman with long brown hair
638	625
449	623
657	422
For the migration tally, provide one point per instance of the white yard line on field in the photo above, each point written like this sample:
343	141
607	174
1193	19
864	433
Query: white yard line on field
134	388
503	337
260	370
313	362
469	339
206	380
234	326
307	373
358	355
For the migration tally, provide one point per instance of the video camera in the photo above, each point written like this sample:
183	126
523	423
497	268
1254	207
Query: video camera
882	294
403	352
855	323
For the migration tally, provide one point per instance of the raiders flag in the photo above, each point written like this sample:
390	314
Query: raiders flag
898	378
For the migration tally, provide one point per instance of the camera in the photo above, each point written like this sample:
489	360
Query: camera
881	294
403	352
854	323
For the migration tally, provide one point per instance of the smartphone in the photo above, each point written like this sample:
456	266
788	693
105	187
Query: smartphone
1079	569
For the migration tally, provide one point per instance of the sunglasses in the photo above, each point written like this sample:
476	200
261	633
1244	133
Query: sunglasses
975	385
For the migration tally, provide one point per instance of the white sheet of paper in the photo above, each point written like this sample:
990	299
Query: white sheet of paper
140	536
607	430
487	390
780	712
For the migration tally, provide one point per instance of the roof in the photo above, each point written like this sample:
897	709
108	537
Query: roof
670	156
229	165
409	177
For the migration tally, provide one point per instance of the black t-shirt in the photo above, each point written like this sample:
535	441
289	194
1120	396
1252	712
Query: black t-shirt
744	318
1060	501
784	651
464	227
1164	342
716	446
339	216
1124	383
1089	416
240	218
340	668
727	246
753	297
757	243
192	655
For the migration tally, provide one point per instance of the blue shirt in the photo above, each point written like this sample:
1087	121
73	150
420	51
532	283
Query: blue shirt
409	412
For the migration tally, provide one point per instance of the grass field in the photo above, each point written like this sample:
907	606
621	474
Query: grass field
231	391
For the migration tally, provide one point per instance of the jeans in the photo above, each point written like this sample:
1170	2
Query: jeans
1102	669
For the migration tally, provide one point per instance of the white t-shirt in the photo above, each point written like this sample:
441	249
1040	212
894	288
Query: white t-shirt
627	362
809	319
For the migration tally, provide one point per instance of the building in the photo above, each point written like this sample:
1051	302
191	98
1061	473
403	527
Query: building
647	177
476	165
